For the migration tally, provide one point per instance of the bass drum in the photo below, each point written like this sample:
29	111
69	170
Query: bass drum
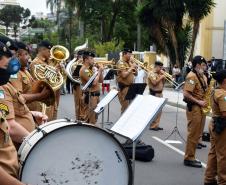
66	153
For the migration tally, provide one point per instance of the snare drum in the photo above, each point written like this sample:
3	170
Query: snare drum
67	153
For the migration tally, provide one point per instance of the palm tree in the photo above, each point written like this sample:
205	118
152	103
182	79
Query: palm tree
165	18
52	4
197	10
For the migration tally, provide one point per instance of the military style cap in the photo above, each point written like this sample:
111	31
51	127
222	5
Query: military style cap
4	51
127	50
45	44
158	63
23	46
9	43
88	53
198	60
80	52
219	76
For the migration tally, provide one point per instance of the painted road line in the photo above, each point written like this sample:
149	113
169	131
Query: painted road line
173	148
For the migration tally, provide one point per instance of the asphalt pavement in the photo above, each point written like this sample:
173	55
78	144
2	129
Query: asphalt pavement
167	166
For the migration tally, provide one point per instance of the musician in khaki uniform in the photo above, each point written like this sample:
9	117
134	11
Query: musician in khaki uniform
22	81
43	57
91	96
19	118
8	156
194	90
217	127
156	80
78	100
126	73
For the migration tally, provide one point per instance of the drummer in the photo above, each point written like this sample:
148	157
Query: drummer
8	155
20	120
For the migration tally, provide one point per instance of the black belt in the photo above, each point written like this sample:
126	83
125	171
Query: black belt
153	92
96	93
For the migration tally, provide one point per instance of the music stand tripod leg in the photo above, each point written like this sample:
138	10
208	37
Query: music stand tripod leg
133	160
175	129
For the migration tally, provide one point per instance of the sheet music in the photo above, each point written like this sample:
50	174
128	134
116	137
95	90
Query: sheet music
138	115
106	100
90	81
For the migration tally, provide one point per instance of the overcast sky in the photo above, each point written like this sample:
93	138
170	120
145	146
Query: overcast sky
34	5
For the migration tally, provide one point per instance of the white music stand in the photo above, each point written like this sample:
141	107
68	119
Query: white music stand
137	117
105	102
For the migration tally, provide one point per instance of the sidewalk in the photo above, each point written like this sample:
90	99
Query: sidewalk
173	97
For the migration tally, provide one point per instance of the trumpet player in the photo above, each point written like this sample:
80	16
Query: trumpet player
126	73
194	89
91	96
156	80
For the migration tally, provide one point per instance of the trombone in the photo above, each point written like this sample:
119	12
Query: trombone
170	79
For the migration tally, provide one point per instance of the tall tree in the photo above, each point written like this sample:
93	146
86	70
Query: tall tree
12	15
197	10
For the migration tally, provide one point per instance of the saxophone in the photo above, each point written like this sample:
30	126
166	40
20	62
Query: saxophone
207	95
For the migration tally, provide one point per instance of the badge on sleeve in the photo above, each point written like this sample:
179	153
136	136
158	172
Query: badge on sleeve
2	95
13	76
191	82
225	98
4	108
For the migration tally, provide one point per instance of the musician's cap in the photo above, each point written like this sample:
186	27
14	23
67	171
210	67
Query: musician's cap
45	44
4	50
198	60
88	54
80	52
127	50
219	76
158	63
23	46
9	43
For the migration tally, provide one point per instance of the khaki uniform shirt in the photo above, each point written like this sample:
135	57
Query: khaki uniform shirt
85	74
22	81
18	109
193	85
154	76
218	102
8	154
130	78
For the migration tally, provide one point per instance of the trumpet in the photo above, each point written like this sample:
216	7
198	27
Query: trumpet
109	63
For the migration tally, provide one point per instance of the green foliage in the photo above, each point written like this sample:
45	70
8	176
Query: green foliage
104	48
12	15
165	21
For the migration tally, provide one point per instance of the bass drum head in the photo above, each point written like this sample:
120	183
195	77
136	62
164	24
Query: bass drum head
77	154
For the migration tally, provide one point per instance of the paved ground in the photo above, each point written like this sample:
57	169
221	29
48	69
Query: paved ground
167	167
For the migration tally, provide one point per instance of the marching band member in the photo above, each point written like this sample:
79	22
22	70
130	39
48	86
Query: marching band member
9	166
156	82
78	100
126	73
86	71
217	154
19	118
43	57
22	81
8	154
194	90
